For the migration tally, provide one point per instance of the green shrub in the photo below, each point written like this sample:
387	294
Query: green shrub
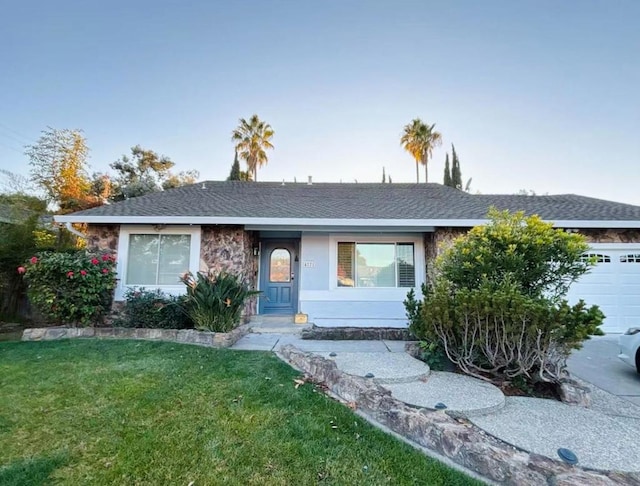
495	302
73	288
497	332
153	309
215	302
538	258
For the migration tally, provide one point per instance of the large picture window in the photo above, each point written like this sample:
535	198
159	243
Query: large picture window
376	265
157	259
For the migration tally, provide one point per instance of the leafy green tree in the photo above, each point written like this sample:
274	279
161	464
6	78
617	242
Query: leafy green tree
22	232
17	242
183	178
13	183
140	174
20	205
447	173
100	187
145	172
252	140
234	175
456	174
419	139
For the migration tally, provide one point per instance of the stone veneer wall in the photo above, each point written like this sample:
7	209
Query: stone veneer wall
611	235
436	242
230	249
103	238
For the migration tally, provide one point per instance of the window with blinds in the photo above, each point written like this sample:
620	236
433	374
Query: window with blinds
406	265
346	271
376	265
157	259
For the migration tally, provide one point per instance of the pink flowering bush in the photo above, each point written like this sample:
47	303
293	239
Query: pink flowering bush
70	288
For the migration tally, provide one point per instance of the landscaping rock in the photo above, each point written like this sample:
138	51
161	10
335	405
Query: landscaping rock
105	331
33	334
583	477
55	333
413	349
191	336
574	393
81	332
630	479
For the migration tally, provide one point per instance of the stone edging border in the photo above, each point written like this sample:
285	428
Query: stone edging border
455	439
185	336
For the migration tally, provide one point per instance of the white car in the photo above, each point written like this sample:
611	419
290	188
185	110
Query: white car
630	347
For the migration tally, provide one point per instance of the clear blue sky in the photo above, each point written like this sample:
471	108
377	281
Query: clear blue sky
541	95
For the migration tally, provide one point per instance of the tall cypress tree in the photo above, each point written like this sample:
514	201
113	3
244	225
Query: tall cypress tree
235	170
456	174
447	172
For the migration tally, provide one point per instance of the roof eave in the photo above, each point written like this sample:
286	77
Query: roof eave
217	220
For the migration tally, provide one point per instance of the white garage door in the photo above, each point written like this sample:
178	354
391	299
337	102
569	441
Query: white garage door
614	285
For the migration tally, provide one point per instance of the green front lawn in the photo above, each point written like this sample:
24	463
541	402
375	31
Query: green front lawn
133	412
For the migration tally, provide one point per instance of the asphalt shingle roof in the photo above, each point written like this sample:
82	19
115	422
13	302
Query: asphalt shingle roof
354	201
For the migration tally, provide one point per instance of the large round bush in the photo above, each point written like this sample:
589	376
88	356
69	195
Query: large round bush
72	288
495	301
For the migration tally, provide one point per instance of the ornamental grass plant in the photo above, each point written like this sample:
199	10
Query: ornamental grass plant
215	301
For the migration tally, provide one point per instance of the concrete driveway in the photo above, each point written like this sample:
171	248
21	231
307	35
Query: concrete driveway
597	362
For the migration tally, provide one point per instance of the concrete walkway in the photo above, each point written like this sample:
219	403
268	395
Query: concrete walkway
603	437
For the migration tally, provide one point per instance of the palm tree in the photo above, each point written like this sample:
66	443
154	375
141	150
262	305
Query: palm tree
419	139
252	139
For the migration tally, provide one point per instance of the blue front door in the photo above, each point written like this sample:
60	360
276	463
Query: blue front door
279	276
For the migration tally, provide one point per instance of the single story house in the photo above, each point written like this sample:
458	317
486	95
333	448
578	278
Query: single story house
345	254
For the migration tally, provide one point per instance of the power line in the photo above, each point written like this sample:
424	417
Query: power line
11	148
25	139
15	139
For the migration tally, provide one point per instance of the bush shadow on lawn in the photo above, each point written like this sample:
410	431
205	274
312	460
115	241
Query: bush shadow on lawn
33	471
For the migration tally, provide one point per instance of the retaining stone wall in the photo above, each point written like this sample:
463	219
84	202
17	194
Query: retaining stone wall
187	336
456	439
357	333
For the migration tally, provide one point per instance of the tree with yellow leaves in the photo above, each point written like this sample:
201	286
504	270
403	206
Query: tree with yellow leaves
59	167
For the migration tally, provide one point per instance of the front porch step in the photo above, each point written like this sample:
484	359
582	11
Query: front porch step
271	324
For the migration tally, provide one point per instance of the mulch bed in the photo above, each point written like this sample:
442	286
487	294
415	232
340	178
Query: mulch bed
539	390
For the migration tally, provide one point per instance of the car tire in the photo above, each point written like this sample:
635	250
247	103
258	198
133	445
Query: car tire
638	361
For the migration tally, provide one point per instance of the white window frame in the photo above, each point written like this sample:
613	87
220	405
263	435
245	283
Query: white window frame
123	256
418	257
